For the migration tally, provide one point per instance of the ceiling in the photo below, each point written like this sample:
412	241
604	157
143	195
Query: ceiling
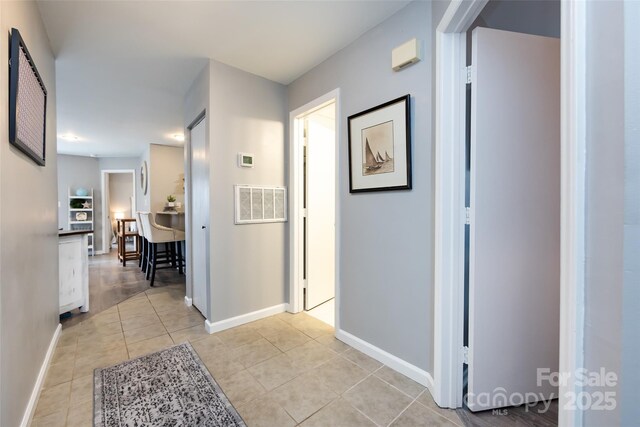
123	68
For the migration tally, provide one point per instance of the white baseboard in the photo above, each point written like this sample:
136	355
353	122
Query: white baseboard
35	393
221	325
289	308
405	368
188	301
100	252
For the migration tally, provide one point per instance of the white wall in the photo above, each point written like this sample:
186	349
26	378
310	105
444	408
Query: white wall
390	307
28	230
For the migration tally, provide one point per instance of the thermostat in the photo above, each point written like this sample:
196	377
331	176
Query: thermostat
245	160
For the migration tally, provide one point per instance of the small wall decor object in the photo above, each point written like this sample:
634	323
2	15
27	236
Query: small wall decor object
75	203
86	205
380	147
27	102
245	160
81	216
144	178
82	192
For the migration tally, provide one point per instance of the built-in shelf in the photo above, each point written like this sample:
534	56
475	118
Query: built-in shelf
88	224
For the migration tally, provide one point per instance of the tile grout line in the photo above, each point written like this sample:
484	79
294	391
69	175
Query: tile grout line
426	390
397	388
402	412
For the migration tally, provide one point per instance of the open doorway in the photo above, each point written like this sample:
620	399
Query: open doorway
513	274
118	201
498	199
314	188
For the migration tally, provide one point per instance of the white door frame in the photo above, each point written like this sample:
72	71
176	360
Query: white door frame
296	194
450	207
103	173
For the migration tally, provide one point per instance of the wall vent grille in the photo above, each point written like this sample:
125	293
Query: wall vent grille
260	204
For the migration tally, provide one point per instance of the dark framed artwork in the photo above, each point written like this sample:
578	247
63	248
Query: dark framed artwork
380	147
27	102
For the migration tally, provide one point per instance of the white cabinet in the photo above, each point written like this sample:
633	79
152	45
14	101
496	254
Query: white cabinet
74	272
81	215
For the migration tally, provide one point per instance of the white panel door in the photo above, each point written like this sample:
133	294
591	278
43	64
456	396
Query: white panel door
321	172
200	216
514	270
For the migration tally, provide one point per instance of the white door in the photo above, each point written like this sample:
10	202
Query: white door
514	260
320	204
200	215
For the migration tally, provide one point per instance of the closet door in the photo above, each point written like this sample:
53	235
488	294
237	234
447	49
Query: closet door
514	253
200	215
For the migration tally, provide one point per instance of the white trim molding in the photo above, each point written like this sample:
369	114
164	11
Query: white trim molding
44	368
188	301
573	190
405	368
221	325
449	199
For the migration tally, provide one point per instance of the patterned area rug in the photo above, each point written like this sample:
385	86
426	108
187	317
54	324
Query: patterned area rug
171	387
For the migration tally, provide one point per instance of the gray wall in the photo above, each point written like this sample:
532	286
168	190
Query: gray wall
115	163
630	410
28	230
390	307
76	172
247	114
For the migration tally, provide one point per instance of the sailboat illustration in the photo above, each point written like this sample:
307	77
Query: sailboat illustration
379	158
387	158
371	162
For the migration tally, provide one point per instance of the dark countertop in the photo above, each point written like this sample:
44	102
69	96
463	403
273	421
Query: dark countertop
63	233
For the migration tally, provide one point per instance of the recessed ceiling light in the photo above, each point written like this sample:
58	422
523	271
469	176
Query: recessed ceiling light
69	137
178	137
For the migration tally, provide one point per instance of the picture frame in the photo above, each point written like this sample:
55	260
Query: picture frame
380	147
27	102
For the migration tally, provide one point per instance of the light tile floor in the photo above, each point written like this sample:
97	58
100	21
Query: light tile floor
284	370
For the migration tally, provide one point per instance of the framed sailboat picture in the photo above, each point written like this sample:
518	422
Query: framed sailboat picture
380	147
